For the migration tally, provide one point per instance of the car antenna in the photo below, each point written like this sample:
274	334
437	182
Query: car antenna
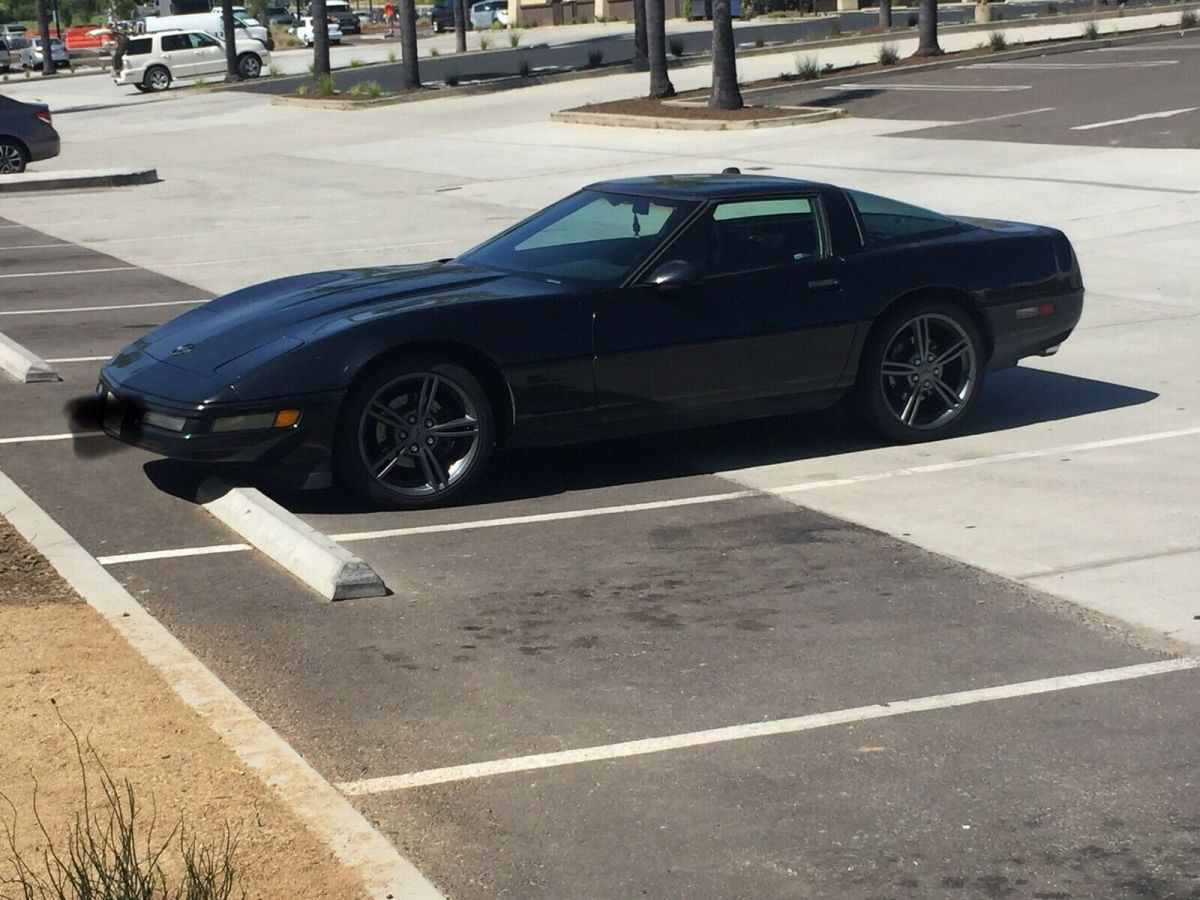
731	170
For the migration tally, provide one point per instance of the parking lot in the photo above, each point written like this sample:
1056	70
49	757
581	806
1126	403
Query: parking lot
781	660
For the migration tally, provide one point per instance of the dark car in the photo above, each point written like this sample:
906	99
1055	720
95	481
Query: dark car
632	306
344	16
442	17
26	135
281	16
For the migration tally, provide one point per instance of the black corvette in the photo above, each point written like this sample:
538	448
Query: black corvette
631	306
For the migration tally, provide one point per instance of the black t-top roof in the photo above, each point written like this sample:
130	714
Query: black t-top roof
704	187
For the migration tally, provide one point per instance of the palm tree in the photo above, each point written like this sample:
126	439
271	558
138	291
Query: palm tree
656	50
228	27
885	13
460	26
725	93
927	28
639	35
48	67
410	73
320	39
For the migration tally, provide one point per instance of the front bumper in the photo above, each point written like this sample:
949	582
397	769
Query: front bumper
299	455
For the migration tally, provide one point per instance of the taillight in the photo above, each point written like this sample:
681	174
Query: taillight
44	115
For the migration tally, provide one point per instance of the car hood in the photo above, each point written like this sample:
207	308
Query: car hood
302	308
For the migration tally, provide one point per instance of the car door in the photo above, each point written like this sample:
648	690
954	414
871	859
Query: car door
176	51
763	319
209	54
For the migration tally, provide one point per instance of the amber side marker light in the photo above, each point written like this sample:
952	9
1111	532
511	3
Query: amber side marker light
286	418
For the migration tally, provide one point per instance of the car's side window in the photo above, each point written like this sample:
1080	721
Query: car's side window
138	47
885	220
173	42
602	220
203	40
744	235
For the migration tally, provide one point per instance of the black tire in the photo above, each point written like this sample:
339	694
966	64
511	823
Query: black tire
403	459
141	88
249	65
921	372
157	78
13	157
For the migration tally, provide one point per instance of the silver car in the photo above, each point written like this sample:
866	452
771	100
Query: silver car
31	56
488	11
5	56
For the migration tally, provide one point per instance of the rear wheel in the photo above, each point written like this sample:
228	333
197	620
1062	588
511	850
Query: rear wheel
415	435
157	78
921	372
249	65
12	157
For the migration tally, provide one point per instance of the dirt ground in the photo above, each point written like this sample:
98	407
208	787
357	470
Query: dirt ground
54	647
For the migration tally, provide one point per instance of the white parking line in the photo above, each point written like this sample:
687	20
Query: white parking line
1166	114
883	710
39	438
949	88
119	558
80	359
1147	48
1026	112
565	515
75	309
1136	64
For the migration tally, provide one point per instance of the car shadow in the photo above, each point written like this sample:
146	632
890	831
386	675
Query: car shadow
1011	399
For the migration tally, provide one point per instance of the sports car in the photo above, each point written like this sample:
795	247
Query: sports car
632	306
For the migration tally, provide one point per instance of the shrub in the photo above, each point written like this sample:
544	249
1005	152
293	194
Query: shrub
496	26
835	28
273	71
370	89
912	20
997	41
485	42
787	76
451	79
433	51
514	38
675	45
302	91
687	10
324	86
1052	9
888	55
808	68
1091	31
759	43
356	63
595	57
524	68
392	54
1187	18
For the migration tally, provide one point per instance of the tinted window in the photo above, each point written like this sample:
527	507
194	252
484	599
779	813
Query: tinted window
138	46
203	40
172	42
589	236
744	235
888	220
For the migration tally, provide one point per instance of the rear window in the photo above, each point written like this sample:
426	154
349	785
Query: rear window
885	220
139	46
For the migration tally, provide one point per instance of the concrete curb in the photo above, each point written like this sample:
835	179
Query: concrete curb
83	178
328	568
23	364
322	808
810	115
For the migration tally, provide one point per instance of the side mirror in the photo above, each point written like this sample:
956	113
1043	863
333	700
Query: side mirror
674	274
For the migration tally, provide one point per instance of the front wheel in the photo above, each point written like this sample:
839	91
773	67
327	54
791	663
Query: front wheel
921	372
249	65
415	435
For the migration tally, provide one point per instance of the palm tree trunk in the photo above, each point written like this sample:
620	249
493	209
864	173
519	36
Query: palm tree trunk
44	31
320	39
725	93
230	30
927	29
410	72
885	13
460	27
639	35
656	49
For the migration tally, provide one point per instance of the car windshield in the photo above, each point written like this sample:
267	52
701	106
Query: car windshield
589	236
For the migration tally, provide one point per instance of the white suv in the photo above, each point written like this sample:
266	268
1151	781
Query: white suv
150	62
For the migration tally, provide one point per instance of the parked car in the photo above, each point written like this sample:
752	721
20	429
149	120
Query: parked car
304	32
632	306
14	34
150	62
5	56
31	55
26	135
340	11
442	17
483	14
281	15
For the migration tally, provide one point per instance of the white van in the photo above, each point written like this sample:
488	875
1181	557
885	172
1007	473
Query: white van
210	22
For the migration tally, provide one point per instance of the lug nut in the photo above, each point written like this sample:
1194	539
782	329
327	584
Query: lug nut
429	441
412	420
414	449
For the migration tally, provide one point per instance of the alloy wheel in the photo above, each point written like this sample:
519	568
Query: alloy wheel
11	159
419	435
929	371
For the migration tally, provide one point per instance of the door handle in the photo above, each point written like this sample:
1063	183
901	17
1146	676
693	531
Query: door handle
825	284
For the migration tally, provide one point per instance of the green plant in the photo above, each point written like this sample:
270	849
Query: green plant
687	10
496	25
759	43
111	851
888	55
1091	31
675	45
595	57
392	54
302	91
787	76
808	68
997	41
1187	18
450	79
835	28
311	69
433	51
273	71
1052	9
485	42
514	38
524	68
324	86
370	89
356	63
